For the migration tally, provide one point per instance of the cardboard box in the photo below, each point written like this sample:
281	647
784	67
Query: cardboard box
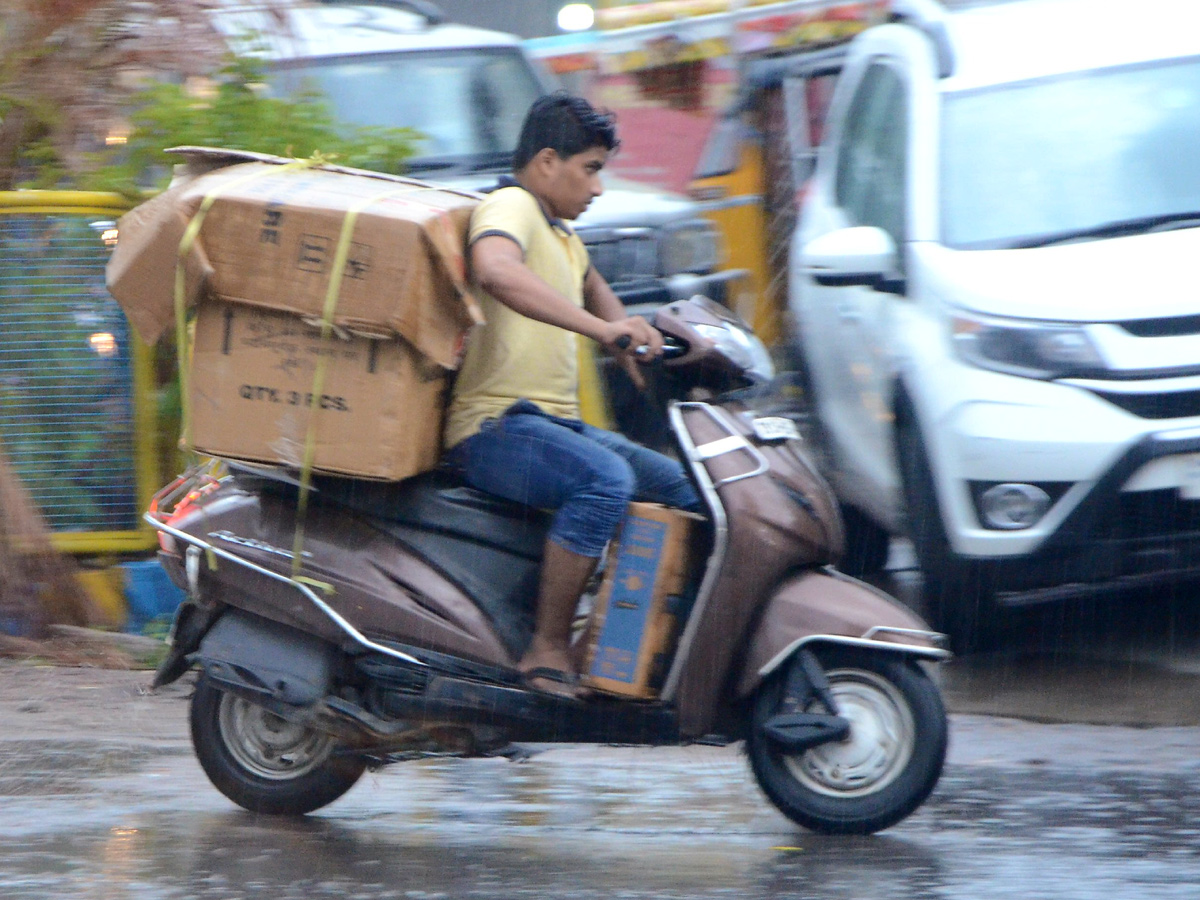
644	597
269	229
252	378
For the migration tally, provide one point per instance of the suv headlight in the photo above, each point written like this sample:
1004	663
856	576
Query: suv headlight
1027	348
692	246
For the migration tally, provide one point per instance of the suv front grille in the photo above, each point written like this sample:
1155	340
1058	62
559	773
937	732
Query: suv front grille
1175	326
1167	405
622	258
1146	514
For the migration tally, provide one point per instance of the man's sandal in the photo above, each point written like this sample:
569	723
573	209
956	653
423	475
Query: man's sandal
554	682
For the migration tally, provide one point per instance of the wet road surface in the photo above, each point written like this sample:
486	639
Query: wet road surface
1024	810
101	798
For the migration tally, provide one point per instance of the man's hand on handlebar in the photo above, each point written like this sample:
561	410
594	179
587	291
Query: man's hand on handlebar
632	341
633	336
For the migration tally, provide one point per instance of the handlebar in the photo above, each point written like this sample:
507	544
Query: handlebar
625	340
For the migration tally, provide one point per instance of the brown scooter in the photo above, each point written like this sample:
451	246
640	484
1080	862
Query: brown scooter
400	634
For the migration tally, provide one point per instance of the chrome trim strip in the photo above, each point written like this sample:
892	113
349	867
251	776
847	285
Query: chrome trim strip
720	545
1178	434
935	636
324	607
1151	385
933	653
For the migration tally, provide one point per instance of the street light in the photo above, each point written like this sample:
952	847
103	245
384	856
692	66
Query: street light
576	17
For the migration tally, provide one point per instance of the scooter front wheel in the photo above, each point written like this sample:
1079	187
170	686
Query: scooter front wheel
881	772
261	761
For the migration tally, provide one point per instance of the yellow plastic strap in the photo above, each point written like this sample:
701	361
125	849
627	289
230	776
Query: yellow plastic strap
323	586
332	294
185	247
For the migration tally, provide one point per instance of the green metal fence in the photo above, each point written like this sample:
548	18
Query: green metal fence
76	404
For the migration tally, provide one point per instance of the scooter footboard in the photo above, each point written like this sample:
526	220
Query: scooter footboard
828	607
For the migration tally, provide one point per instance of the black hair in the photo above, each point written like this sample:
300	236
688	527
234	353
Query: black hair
565	123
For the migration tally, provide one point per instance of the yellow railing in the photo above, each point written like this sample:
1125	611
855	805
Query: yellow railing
146	475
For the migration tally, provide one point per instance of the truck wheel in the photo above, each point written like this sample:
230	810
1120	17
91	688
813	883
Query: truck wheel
262	762
882	772
959	594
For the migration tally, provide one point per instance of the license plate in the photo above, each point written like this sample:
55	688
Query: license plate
775	428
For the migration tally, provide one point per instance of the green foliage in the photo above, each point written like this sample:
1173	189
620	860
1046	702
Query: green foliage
240	115
41	158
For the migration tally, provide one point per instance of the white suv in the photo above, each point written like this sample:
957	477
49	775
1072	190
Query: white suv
995	296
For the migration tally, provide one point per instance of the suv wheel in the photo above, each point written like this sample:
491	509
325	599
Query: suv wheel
867	545
959	593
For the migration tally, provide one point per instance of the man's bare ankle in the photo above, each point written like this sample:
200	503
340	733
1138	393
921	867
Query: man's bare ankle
546	656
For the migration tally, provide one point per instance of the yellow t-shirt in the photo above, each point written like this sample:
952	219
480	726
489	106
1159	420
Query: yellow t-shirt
512	357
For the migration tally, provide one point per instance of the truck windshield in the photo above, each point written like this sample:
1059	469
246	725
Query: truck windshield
466	104
1093	154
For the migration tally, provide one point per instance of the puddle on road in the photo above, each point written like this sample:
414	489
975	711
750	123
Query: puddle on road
232	856
52	768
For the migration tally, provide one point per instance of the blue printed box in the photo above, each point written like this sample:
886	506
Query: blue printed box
636	611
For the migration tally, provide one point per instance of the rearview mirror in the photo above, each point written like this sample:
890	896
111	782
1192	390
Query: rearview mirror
863	255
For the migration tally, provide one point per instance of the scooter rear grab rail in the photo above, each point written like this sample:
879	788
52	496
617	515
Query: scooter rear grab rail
352	632
733	443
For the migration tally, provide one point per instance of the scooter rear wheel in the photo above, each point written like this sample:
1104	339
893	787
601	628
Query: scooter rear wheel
882	772
262	762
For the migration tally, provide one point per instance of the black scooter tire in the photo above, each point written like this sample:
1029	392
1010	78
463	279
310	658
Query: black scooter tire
320	778
805	786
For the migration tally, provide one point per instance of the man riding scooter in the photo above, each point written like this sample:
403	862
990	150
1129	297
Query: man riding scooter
513	426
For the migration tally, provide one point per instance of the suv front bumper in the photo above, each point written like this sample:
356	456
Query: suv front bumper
1113	539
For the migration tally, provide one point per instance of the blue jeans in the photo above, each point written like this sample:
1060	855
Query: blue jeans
585	474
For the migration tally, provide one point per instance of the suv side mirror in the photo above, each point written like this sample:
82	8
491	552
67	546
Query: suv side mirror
863	255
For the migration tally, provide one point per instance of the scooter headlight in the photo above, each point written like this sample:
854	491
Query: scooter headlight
741	346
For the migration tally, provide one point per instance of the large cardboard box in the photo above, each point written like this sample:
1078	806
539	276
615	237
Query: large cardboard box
264	231
643	600
379	413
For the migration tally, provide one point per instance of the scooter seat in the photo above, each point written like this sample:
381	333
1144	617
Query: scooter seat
490	547
435	501
439	502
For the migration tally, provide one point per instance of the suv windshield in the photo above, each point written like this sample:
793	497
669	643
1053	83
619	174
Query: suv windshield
1093	154
468	105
